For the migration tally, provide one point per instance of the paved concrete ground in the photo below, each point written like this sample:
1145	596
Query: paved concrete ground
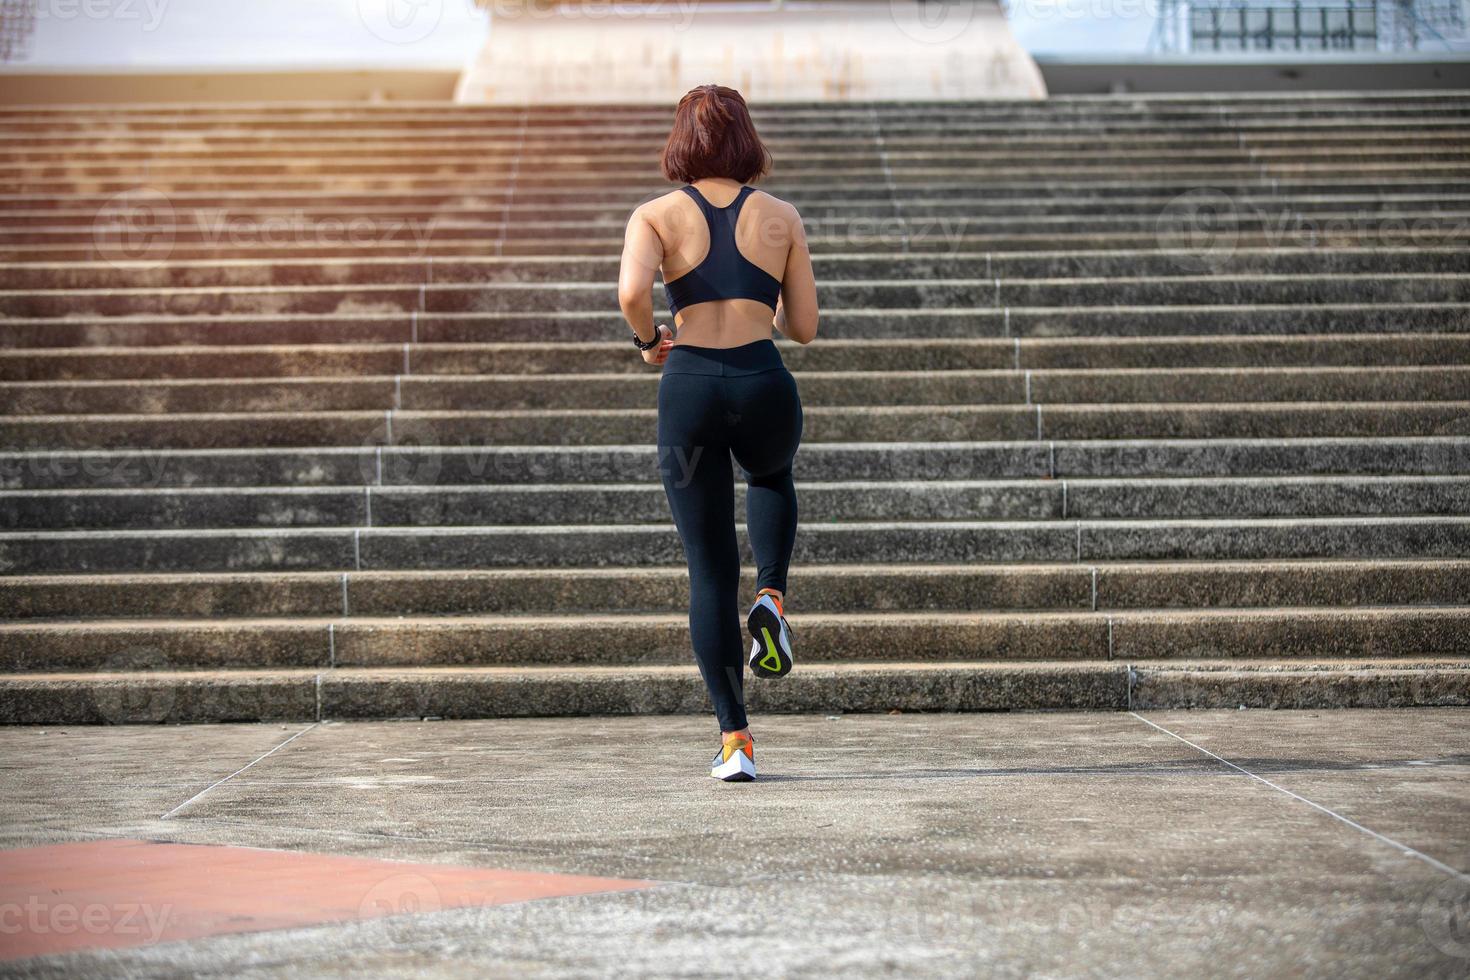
1007	844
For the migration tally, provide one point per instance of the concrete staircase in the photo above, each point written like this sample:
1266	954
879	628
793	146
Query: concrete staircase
327	412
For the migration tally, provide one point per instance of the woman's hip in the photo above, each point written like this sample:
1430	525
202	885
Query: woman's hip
756	357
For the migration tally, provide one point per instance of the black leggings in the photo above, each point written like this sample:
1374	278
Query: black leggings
712	402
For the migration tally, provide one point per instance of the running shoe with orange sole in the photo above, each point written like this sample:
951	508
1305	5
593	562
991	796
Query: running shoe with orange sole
735	762
770	649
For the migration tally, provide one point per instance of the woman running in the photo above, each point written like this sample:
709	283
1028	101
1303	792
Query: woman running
735	265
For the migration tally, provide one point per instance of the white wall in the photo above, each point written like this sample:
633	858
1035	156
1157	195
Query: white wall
254	33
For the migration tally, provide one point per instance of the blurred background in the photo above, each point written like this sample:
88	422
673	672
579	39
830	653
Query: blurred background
1080	45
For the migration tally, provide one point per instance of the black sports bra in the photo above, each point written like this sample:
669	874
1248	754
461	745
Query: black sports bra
724	273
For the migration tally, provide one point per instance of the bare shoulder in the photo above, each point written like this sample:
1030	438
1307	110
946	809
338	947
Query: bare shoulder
656	211
779	213
660	205
776	206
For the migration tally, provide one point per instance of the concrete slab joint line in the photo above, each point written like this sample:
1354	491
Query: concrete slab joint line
331	645
368	506
397	391
1028	388
1110	638
1006	324
1038	420
1064	500
220	782
1079	540
1018	353
1094	588
888	182
1051	452
378	469
429	270
413	326
423	291
515	173
988	273
346	609
997	291
1403	848
357	549
407	369
388	421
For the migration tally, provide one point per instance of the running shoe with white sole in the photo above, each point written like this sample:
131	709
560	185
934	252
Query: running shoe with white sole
770	650
735	762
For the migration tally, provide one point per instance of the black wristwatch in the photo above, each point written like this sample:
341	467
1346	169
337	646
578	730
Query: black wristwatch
658	335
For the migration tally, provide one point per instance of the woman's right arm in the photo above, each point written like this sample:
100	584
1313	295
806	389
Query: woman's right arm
796	311
643	252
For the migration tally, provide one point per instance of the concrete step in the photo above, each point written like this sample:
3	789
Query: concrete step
1298	212
848	193
1156	262
1306	104
199	361
1276	189
1308	108
583	427
569	270
894	237
861	159
1394	220
1284	226
1145	324
151	696
419	465
61	151
656	544
872	294
1200	174
644	502
819	389
461	125
906	587
1282	634
398	239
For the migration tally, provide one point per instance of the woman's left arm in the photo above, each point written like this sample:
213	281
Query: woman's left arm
643	253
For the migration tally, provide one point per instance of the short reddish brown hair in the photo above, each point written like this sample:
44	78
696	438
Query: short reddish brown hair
714	137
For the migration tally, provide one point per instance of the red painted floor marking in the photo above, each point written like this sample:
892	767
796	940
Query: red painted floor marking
114	894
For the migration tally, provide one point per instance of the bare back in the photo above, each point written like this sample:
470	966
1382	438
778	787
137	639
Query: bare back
765	233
